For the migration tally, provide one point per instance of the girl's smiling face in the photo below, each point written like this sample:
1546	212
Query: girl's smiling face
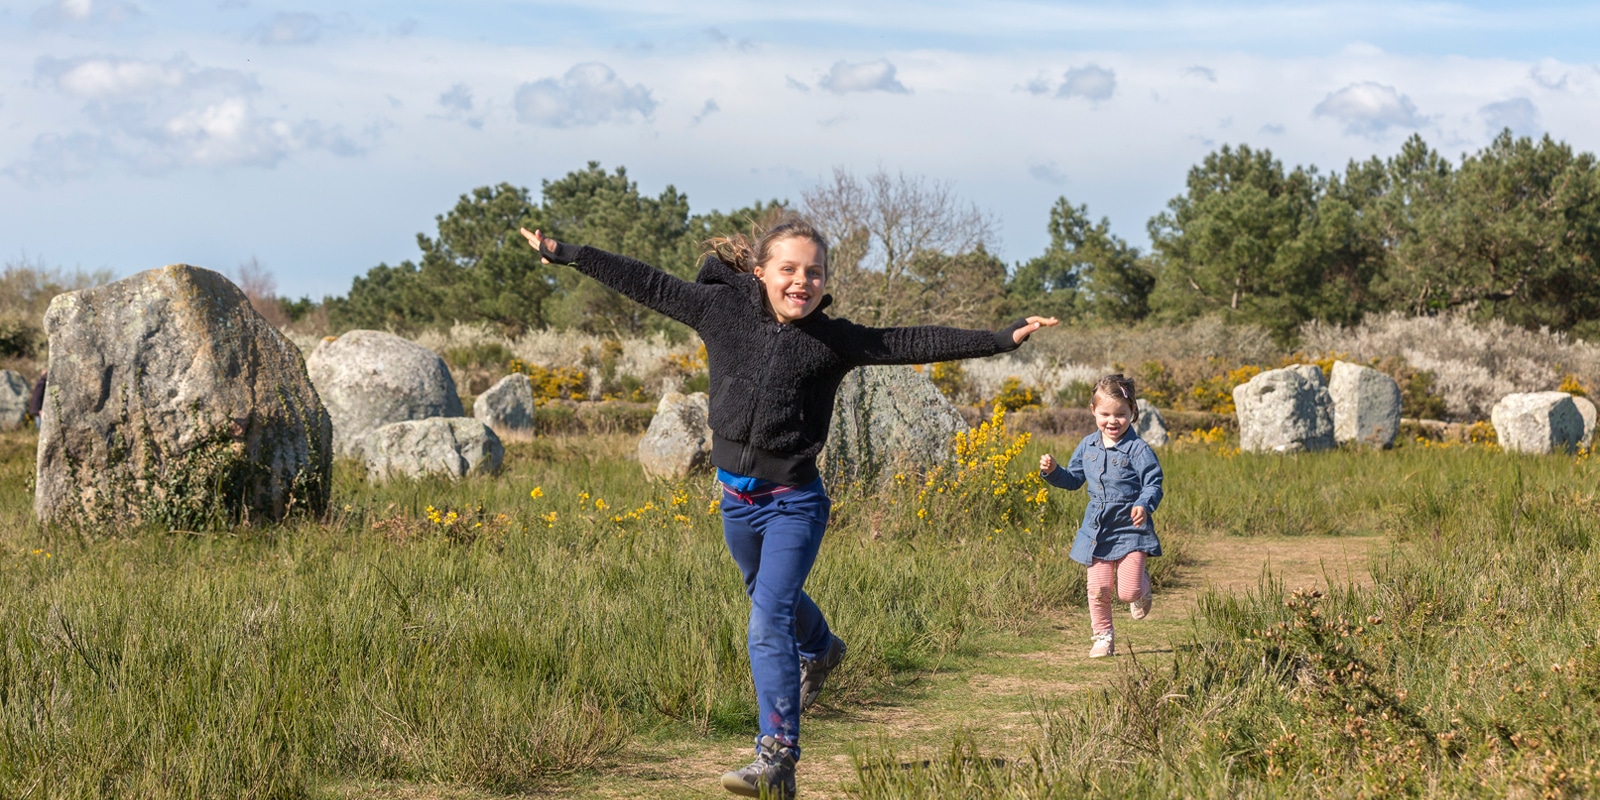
793	276
1112	415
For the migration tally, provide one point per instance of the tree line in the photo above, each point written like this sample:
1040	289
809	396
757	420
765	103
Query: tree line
1511	231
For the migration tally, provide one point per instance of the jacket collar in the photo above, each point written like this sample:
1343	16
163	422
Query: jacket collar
713	270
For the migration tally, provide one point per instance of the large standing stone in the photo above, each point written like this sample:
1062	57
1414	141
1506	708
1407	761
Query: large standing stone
887	417
1366	405
171	401
369	379
1587	411
679	439
14	392
1150	425
1284	411
453	446
507	406
1537	422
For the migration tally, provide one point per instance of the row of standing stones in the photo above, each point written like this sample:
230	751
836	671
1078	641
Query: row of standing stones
171	400
1293	410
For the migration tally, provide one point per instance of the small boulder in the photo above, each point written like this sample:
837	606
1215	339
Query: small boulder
678	442
172	402
1537	422
1285	411
887	417
368	379
14	392
1366	405
1150	425
452	446
1586	409
507	406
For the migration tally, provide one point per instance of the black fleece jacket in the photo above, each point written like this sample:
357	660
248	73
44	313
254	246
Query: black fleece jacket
772	384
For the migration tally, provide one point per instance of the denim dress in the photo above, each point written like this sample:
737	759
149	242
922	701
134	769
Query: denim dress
1118	479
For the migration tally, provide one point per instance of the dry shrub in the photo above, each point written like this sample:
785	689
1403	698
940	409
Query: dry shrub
1473	363
26	289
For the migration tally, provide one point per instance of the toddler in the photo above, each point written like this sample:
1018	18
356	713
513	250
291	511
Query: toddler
1117	534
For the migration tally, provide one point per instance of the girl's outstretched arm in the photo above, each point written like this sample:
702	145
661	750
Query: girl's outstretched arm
924	343
679	299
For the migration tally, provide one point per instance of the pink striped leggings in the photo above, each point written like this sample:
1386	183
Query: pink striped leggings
1128	577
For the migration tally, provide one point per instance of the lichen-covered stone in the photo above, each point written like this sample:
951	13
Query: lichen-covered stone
172	402
14	392
1151	426
507	407
1285	411
1537	422
887	418
678	442
1587	411
368	379
1366	405
452	446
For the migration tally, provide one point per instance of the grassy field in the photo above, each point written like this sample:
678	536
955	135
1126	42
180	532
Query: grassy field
538	631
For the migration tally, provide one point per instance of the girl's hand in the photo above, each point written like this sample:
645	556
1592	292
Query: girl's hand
1139	516
537	242
1047	464
1021	334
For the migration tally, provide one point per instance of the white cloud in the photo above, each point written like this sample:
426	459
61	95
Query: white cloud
1093	82
1047	171
457	98
156	117
867	76
290	27
78	12
1519	114
1038	85
790	82
1204	73
1536	74
1369	109
1273	128
589	94
707	110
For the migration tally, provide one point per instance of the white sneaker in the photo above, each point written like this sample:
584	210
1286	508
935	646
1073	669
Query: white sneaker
1140	608
1104	645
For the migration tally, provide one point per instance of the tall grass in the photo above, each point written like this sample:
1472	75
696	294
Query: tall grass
1470	667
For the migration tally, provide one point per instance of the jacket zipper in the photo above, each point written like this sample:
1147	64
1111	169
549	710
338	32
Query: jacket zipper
745	456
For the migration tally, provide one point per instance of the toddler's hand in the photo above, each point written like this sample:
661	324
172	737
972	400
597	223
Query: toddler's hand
1047	464
1140	516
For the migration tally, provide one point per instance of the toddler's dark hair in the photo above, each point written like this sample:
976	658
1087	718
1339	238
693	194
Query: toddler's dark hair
738	252
1117	386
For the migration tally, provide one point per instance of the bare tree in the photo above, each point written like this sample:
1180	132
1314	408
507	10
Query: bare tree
258	285
897	241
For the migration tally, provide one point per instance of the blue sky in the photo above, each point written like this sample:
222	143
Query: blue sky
320	138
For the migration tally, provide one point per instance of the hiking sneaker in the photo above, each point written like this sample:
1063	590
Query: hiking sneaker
813	672
1104	646
771	775
1140	608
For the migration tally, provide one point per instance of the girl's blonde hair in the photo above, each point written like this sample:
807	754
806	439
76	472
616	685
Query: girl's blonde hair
1117	386
738	252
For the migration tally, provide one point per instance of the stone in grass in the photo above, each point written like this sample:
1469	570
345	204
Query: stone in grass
1285	411
1587	411
172	402
14	393
452	446
507	406
678	442
369	379
1537	422
1366	405
887	418
1150	425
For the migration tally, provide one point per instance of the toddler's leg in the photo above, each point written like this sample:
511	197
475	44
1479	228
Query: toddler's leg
1102	580
1132	579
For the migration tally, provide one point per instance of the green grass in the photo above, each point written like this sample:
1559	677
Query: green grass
514	652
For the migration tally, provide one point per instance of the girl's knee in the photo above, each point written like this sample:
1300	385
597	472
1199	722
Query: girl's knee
1099	593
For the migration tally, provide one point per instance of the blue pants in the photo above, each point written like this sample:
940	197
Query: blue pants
774	539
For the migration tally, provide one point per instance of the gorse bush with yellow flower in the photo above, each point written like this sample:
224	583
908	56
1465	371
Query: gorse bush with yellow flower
980	481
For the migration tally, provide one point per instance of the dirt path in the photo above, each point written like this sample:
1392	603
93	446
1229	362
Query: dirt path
992	700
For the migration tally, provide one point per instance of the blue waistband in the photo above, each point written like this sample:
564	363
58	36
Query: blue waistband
741	483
